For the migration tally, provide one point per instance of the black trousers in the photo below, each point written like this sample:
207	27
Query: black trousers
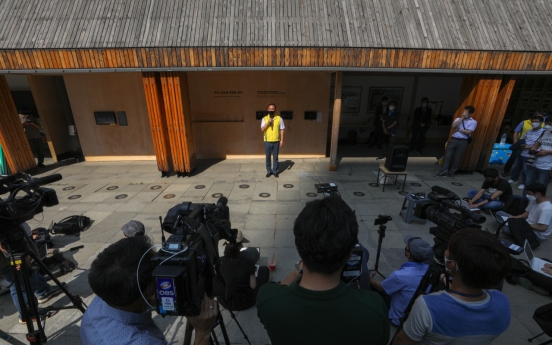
418	141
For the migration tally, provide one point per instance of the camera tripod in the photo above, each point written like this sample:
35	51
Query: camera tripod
381	220
21	277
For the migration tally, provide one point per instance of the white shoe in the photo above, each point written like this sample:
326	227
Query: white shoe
521	186
512	181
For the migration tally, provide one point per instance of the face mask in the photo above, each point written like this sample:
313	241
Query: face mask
424	105
391	107
384	103
531	197
547	127
535	124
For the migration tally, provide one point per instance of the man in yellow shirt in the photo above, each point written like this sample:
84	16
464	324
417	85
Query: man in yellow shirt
272	126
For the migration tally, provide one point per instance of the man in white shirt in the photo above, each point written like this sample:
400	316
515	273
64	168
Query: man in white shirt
463	128
538	213
539	171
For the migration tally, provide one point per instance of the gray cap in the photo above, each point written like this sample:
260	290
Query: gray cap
133	228
419	249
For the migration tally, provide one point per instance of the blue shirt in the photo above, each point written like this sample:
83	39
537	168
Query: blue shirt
468	123
401	286
105	325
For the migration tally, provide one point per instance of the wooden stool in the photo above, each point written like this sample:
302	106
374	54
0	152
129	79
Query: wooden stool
384	170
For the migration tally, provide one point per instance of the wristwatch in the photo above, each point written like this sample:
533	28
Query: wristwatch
298	267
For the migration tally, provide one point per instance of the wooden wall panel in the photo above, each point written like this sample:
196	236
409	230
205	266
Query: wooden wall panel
156	112
489	94
12	137
272	57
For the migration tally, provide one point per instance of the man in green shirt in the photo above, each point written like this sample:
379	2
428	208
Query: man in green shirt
312	305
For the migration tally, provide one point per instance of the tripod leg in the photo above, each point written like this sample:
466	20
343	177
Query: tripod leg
76	300
223	330
38	336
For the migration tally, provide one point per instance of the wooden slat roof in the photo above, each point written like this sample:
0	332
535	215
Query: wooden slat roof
489	25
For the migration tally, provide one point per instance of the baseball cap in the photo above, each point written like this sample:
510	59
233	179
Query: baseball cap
133	228
419	249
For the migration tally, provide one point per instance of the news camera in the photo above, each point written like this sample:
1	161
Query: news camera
26	199
444	208
188	262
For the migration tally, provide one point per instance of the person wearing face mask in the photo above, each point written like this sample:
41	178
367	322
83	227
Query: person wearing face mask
538	213
119	313
422	119
272	126
493	192
469	312
399	287
530	137
540	170
519	132
463	128
389	122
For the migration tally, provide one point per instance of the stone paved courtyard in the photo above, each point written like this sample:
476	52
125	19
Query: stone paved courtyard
115	192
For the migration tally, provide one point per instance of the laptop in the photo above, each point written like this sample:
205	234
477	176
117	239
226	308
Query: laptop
536	263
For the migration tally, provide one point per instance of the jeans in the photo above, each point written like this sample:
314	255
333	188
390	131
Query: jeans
495	205
271	148
39	286
36	147
536	175
388	140
455	148
520	165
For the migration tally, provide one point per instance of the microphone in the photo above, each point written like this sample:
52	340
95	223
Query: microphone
43	180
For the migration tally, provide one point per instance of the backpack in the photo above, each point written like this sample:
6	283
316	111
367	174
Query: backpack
58	264
71	225
515	205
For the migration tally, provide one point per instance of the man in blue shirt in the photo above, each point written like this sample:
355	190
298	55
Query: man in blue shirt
467	313
401	285
119	313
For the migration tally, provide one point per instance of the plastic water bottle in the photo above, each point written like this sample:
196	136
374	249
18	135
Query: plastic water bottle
503	139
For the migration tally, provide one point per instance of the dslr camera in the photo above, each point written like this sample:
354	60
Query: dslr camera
532	157
188	262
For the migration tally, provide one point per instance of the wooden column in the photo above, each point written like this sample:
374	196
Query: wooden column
12	137
176	101
156	111
489	94
336	120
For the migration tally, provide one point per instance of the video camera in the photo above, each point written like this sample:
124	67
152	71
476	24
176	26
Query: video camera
188	262
17	209
438	210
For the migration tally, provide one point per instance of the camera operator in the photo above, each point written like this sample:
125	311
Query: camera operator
399	287
42	290
539	171
242	286
312	305
467	312
498	190
119	314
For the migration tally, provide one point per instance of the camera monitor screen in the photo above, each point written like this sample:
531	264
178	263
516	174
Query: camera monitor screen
353	267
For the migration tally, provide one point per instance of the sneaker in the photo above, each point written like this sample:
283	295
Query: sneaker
441	174
276	175
512	181
54	290
40	165
521	186
452	176
380	158
268	175
526	283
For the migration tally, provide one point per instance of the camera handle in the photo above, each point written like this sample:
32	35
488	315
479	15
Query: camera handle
381	233
214	339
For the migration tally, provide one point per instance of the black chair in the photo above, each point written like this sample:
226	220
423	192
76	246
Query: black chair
543	317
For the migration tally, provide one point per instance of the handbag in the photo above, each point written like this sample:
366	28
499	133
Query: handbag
517	145
470	139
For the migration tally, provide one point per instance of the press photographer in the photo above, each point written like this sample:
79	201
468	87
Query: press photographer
312	305
467	312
